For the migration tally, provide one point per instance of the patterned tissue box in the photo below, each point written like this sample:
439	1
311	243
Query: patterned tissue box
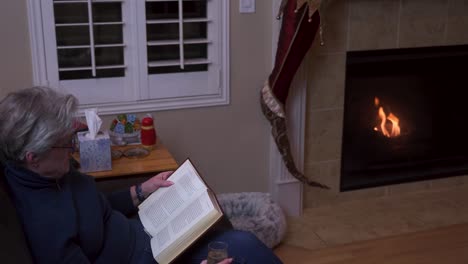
95	154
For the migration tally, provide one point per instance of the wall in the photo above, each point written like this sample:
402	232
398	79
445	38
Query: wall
229	144
15	55
366	25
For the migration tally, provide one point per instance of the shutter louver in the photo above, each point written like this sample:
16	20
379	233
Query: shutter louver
177	39
89	37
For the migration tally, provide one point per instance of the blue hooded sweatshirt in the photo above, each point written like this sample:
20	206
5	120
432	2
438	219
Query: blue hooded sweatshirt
69	221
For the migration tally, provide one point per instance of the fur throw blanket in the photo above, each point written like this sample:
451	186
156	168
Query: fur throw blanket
255	212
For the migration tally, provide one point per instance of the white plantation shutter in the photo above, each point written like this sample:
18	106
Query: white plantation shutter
180	38
133	55
182	48
86	49
65	43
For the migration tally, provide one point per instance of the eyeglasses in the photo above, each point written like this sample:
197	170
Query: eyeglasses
71	145
71	148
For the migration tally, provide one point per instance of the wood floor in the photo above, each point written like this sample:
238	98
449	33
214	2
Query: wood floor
447	245
426	227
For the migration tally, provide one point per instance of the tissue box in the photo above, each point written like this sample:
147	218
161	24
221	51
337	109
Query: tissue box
95	154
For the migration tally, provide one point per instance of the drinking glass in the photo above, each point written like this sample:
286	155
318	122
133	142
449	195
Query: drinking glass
217	251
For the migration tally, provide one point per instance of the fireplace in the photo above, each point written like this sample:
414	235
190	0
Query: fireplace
405	116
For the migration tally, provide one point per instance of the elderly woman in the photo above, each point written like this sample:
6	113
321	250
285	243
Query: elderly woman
64	217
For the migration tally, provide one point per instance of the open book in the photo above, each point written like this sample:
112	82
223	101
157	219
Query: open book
178	215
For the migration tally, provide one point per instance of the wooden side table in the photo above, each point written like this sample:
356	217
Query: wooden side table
128	171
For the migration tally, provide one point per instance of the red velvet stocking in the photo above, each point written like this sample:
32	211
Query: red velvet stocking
297	33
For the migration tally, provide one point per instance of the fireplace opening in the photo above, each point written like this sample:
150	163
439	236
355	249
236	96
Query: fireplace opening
405	116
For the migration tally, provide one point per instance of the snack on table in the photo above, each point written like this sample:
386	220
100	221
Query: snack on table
125	129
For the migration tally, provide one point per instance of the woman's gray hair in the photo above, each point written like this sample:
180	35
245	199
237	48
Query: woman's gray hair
33	120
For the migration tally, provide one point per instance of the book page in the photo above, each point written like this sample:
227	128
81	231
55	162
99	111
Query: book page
182	223
169	211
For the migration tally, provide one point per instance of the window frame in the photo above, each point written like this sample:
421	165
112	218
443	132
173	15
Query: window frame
138	94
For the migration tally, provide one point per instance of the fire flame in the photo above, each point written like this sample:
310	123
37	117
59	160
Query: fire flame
389	124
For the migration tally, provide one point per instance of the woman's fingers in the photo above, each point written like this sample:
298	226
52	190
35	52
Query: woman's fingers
165	183
164	175
154	183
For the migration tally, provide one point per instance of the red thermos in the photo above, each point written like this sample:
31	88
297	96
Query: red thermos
148	133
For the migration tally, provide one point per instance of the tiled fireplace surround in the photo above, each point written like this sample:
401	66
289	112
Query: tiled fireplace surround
366	25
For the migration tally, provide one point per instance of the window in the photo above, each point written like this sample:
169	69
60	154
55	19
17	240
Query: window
133	55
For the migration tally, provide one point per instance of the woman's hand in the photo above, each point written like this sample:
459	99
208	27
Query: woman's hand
151	185
155	182
226	261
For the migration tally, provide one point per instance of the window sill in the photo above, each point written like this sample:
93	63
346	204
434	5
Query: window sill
156	105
